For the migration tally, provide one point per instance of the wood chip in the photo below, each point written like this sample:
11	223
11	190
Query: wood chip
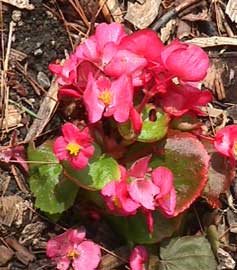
115	10
213	41
22	4
13	120
47	108
22	253
184	30
225	260
166	31
231	10
5	255
142	15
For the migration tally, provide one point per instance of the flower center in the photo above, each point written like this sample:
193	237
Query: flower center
235	149
73	148
72	254
116	202
106	97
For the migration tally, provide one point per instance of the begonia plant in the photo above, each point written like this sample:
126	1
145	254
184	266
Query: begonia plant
137	150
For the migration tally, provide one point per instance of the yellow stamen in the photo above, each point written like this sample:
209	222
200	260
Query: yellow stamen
235	148
106	97
73	148
116	202
72	254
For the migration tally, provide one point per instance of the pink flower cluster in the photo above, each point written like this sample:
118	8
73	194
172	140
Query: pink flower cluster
70	249
110	68
141	188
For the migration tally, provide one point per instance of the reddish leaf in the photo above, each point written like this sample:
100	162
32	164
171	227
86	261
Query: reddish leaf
187	158
220	175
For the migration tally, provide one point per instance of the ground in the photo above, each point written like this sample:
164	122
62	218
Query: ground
47	34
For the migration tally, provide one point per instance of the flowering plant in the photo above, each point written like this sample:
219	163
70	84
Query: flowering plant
137	147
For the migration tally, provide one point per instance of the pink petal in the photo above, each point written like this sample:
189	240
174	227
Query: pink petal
143	192
69	132
139	168
106	33
94	107
76	236
68	92
138	257
55	68
225	140
124	62
88	50
89	256
140	41
128	205
59	148
78	162
167	203
162	177
63	263
123	98
136	120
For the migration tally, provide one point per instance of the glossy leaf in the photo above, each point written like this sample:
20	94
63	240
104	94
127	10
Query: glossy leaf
135	229
54	193
97	174
153	129
187	158
220	176
185	253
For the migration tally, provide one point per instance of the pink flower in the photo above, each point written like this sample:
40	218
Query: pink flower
117	198
187	62
138	258
180	99
71	249
100	48
162	177
225	141
74	146
141	189
105	97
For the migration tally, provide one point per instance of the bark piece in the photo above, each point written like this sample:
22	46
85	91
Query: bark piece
5	255
142	15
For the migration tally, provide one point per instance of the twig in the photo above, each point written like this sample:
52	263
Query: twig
173	12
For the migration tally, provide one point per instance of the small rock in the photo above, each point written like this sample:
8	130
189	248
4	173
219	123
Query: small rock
5	255
16	15
43	80
38	52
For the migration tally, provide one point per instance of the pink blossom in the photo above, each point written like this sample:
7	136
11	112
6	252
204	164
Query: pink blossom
138	258
162	177
74	146
187	62
117	198
141	189
225	141
105	97
71	249
179	99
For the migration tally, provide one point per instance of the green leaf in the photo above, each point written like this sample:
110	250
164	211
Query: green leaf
97	174
134	228
153	130
188	160
187	253
54	193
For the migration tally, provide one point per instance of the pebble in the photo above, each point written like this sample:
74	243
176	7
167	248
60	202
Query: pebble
16	15
38	52
43	80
